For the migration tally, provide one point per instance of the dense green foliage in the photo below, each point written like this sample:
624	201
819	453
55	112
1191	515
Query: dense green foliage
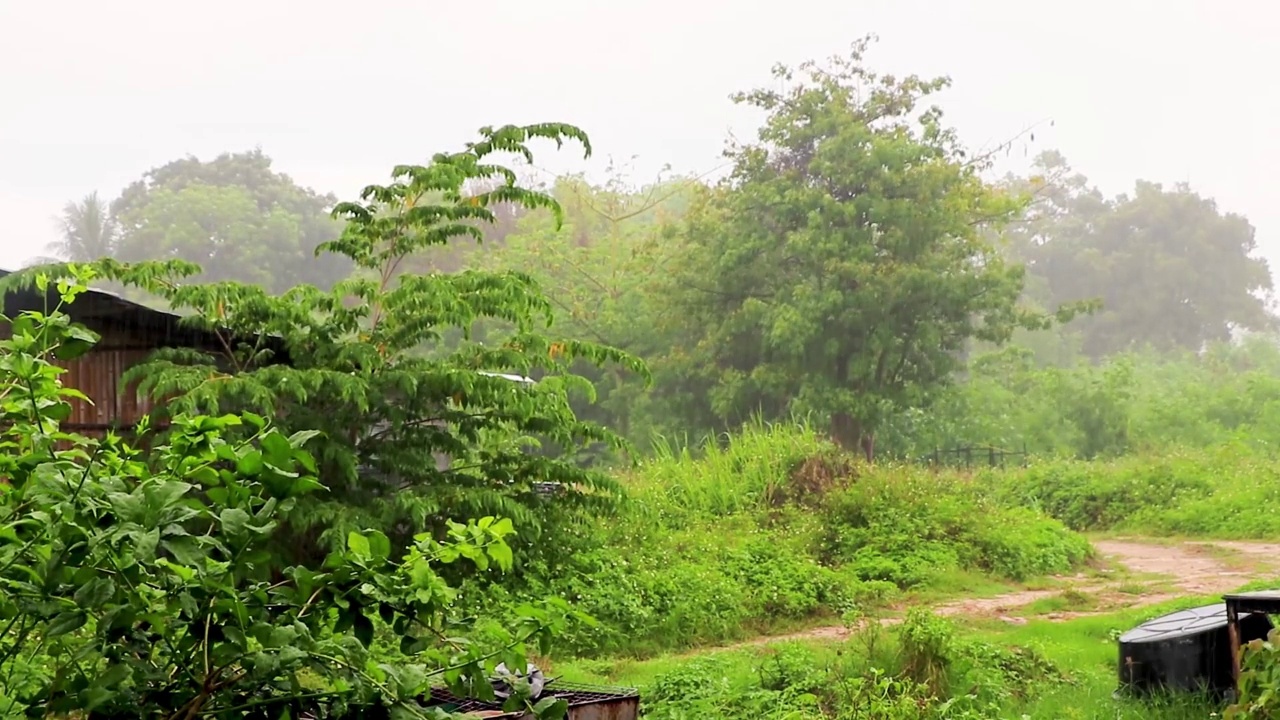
923	671
366	364
1259	680
141	584
1226	493
1134	402
855	273
854	269
774	529
602	271
233	216
926	667
1040	395
621	270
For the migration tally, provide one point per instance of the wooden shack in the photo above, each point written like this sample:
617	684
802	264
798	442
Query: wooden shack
129	333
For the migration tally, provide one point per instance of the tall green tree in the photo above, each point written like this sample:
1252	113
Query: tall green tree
1171	270
235	217
842	267
366	362
86	232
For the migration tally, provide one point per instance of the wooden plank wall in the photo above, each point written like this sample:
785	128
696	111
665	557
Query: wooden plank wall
97	375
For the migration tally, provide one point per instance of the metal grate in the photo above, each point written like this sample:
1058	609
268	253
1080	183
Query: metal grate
576	694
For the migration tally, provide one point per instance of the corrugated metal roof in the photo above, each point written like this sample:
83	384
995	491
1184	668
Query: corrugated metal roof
105	307
19	296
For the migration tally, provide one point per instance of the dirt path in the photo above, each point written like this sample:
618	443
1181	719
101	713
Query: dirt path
1130	573
1199	568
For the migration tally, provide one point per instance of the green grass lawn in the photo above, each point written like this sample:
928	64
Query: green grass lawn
1084	649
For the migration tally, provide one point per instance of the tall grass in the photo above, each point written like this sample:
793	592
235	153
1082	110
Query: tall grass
1225	492
772	528
728	474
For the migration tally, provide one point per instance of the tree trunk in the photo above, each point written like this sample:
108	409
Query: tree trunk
849	435
869	445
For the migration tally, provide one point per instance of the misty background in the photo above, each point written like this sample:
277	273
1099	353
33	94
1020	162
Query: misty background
337	93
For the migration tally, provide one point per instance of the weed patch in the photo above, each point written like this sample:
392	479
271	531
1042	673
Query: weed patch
905	526
771	529
1228	492
927	668
923	670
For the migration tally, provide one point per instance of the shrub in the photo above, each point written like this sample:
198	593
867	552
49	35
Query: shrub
1101	496
918	679
771	528
708	688
928	649
1259	680
905	526
142	585
1223	492
782	582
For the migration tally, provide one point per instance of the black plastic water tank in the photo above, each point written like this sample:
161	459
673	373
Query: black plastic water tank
1186	650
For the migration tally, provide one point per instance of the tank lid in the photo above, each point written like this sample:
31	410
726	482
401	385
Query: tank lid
1178	624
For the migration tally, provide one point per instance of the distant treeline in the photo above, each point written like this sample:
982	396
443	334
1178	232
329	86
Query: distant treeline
857	268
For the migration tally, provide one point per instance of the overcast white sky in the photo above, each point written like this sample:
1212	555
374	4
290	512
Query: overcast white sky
92	94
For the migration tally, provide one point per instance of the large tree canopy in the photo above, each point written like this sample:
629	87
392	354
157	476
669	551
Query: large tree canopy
1171	270
235	217
373	365
841	268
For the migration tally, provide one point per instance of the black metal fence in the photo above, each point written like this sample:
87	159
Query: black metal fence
975	456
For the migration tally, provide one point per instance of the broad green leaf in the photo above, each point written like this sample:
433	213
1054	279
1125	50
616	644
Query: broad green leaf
302	437
303	485
93	594
76	342
277	450
250	464
379	546
58	411
65	622
502	528
187	574
165	494
501	554
234	520
145	544
96	696
358	545
206	475
550	708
